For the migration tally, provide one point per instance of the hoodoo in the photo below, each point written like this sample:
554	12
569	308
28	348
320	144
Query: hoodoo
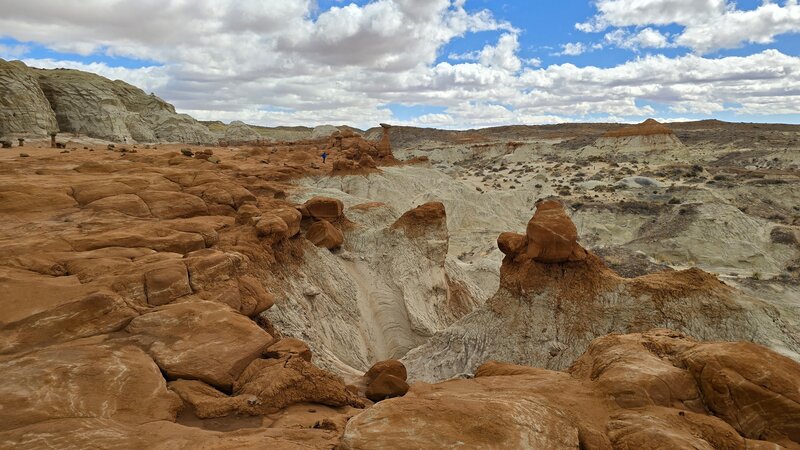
555	298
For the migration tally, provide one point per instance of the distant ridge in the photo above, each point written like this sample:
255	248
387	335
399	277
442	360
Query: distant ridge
649	127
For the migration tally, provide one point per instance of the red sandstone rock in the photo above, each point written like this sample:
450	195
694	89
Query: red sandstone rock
272	228
429	217
200	340
277	383
386	386
323	234
552	237
288	347
167	283
658	389
389	366
512	244
324	208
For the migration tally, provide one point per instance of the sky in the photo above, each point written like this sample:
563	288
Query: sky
453	64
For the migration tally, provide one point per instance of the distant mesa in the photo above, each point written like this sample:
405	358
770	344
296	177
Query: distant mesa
649	127
649	137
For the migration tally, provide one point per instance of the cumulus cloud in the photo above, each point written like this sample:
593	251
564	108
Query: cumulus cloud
572	49
708	25
623	13
735	27
503	55
646	38
286	63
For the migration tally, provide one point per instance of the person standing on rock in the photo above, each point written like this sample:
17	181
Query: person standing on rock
324	156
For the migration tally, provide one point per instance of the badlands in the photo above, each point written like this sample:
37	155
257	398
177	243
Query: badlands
168	283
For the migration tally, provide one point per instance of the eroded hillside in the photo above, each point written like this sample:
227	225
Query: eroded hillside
168	296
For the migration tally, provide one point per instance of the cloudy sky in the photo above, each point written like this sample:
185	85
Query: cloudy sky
438	63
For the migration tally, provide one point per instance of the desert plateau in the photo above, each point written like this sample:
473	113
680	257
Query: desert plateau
174	283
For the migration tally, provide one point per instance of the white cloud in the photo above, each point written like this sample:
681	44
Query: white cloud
13	51
572	49
734	28
283	63
646	38
503	55
623	13
708	25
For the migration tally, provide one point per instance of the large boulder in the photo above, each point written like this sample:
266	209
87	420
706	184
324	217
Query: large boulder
386	379
272	228
200	340
324	208
291	216
390	366
323	234
386	386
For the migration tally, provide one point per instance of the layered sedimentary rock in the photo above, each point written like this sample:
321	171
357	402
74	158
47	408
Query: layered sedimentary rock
647	137
549	309
24	109
383	293
39	102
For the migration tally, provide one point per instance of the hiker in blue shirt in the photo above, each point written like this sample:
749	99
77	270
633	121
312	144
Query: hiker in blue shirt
324	157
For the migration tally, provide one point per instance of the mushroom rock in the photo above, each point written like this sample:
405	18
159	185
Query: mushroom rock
323	234
550	238
354	153
384	146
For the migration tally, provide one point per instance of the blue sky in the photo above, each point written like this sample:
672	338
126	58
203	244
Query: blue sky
436	63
